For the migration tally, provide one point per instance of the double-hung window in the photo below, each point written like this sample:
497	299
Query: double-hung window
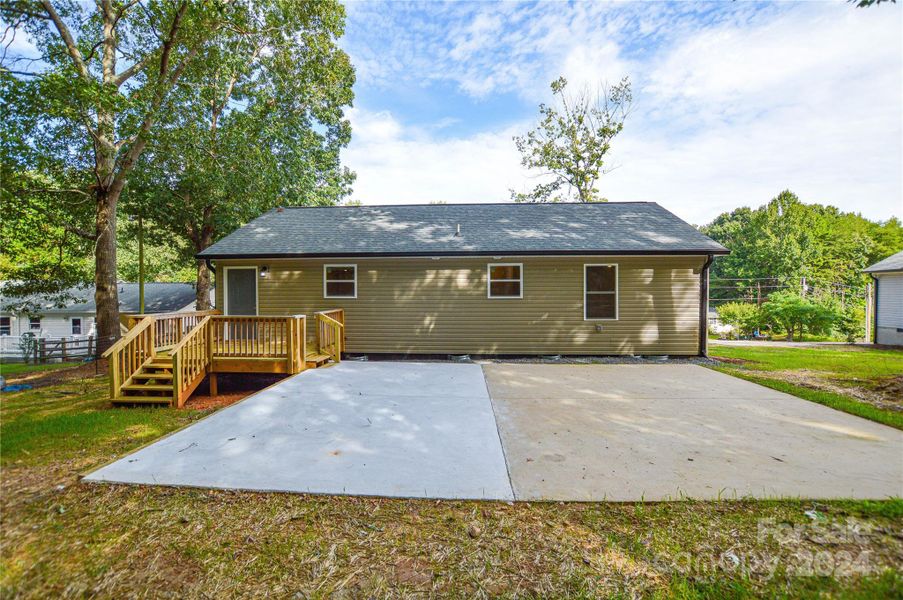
506	280
340	281
34	323
600	292
76	326
5	326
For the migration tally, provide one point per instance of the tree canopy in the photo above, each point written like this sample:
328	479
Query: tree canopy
784	241
116	80
570	145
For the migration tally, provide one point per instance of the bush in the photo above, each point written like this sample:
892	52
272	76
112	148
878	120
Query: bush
851	322
743	316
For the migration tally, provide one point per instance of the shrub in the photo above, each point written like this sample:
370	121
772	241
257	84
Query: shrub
743	316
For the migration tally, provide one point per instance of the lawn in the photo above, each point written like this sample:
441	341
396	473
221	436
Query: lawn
16	369
864	381
61	537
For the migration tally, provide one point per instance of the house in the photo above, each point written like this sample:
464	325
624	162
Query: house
888	303
493	279
75	320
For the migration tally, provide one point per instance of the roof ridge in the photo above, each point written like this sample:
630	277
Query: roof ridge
471	204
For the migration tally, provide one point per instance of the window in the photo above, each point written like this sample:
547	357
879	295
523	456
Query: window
76	326
5	326
34	323
505	280
600	288
340	281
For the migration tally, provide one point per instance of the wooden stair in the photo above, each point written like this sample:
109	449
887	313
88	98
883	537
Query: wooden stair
152	384
313	358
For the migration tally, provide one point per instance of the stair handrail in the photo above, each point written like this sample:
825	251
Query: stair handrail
132	334
333	349
186	369
123	367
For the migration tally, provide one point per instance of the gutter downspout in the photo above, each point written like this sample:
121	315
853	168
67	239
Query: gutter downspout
704	307
874	324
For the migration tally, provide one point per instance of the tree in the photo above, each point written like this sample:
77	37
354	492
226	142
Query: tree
571	143
796	315
775	246
106	75
263	127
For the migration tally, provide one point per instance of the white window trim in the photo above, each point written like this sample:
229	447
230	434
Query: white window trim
616	292
489	281
81	324
9	325
226	289
326	268
32	328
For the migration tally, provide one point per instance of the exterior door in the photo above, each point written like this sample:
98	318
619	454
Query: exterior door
241	291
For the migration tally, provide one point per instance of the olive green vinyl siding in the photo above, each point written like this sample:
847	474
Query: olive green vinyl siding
440	306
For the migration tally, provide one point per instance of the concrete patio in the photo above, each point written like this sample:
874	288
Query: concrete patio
568	432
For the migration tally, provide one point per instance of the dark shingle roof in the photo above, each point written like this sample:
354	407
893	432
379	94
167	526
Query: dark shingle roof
486	229
893	262
158	297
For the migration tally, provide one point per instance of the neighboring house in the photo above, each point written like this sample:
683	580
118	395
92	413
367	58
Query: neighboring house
602	278
716	326
76	318
888	304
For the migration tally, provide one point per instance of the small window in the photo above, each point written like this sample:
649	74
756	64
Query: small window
76	326
505	280
600	285
34	323
5	326
340	281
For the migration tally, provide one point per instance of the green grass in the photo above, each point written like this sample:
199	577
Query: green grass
62	537
10	369
850	363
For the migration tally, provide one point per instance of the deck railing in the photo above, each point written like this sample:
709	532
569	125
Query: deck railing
331	333
129	354
191	358
170	327
236	336
203	342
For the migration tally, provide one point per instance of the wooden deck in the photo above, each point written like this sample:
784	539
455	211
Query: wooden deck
163	358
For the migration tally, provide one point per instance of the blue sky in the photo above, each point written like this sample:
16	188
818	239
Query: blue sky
734	101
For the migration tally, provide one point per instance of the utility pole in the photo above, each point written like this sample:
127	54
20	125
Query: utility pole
140	264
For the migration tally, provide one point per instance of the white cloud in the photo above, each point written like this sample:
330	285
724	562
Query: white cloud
730	110
411	166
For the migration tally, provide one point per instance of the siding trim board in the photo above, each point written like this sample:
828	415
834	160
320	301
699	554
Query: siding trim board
428	307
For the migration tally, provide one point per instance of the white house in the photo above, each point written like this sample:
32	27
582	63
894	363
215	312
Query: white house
888	307
44	319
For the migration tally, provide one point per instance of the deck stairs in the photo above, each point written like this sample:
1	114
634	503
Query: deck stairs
152	384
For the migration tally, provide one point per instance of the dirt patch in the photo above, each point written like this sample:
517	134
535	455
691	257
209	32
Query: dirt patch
44	378
231	388
885	393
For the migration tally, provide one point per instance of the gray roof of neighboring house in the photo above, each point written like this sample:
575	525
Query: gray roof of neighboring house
485	229
158	297
891	263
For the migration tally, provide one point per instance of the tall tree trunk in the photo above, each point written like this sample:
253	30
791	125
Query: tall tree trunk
106	293
202	240
203	286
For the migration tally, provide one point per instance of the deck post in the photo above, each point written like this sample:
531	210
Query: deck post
214	391
290	345
65	356
176	382
114	375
